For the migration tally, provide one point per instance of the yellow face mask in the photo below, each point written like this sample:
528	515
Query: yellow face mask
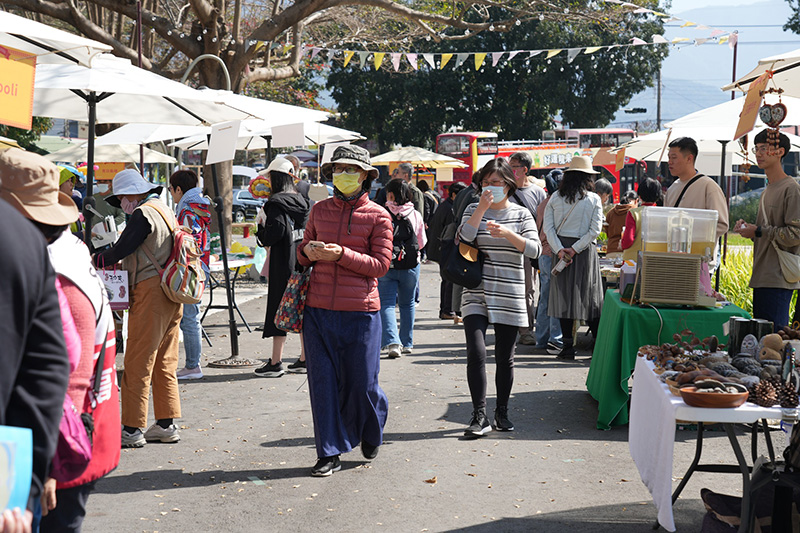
346	183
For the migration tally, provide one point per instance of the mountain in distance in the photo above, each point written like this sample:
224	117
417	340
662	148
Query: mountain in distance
691	76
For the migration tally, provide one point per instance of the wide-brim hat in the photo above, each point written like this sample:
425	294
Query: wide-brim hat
349	154
30	183
129	181
581	163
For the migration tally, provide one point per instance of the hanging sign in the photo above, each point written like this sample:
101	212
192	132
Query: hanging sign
752	103
17	74
620	162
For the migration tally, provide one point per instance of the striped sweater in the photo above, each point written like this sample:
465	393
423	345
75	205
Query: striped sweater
501	295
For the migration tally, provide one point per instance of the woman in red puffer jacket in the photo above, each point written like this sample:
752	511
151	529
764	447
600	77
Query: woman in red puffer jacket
348	241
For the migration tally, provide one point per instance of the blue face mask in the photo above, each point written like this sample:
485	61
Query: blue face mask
498	192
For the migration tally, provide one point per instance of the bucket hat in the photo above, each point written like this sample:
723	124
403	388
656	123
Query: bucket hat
29	182
129	181
349	154
581	163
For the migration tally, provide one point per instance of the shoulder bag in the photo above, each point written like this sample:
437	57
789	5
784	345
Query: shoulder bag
289	316
790	263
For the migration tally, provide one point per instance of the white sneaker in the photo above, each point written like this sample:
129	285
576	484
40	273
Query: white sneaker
156	433
132	440
394	351
190	373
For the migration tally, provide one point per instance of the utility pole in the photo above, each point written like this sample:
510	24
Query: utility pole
658	99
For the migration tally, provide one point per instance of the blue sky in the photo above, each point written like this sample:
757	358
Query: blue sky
692	75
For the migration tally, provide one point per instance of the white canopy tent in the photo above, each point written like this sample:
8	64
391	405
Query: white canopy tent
48	44
785	74
118	153
258	135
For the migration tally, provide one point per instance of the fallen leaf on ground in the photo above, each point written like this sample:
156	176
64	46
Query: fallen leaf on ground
432	480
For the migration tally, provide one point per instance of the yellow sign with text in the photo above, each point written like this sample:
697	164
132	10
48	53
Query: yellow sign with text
752	103
107	171
17	74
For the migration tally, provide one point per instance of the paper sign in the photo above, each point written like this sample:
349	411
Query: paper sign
116	282
620	163
17	74
327	153
16	466
107	171
752	103
222	146
289	135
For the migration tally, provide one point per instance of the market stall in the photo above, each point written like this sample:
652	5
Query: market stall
623	329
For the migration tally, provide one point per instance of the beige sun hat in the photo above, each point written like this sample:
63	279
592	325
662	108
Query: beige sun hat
29	182
581	163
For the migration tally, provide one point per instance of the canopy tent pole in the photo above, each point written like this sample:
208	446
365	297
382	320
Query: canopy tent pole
723	178
92	99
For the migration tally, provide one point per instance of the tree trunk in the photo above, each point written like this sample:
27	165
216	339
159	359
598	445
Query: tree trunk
225	181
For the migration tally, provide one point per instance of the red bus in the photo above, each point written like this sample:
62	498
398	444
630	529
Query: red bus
555	150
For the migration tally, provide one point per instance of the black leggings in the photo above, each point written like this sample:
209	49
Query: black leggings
505	342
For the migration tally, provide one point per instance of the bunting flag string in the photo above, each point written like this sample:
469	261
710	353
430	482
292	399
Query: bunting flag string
715	36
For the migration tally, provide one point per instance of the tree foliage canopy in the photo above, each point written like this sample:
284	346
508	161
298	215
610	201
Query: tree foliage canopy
261	41
517	99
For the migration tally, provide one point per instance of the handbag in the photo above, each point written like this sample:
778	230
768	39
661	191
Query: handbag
790	263
289	316
465	266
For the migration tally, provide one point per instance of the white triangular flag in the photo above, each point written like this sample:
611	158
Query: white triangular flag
659	39
460	58
362	58
496	57
396	60
429	60
572	53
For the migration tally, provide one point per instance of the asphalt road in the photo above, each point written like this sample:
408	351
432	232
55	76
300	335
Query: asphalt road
247	448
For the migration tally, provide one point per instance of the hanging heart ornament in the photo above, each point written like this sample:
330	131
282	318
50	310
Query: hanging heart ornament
772	115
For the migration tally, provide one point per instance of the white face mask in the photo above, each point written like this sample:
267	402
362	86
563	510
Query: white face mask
101	188
498	192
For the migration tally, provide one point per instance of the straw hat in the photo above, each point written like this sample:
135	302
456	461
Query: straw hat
29	182
349	154
581	163
129	181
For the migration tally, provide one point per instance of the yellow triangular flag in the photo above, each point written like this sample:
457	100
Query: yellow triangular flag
723	40
445	59
479	59
260	45
688	24
348	55
592	49
680	40
551	53
378	57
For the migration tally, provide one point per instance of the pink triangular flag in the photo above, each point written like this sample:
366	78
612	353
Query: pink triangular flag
496	57
637	42
717	33
412	58
512	54
315	51
659	39
396	60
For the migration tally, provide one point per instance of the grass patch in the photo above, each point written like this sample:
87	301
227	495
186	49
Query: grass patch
734	239
735	280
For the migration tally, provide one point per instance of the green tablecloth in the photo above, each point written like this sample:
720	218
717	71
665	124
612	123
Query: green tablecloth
623	329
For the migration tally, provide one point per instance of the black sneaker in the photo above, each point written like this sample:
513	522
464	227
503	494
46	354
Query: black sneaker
501	421
298	367
567	353
269	370
326	466
479	425
369	451
553	348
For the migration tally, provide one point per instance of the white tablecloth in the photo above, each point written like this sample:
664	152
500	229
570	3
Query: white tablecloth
217	266
651	432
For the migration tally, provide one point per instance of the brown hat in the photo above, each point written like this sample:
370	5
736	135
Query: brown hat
29	182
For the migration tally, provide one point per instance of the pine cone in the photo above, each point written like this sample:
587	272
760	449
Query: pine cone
765	394
787	397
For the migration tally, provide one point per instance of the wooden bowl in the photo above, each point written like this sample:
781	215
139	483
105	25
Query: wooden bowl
718	400
676	391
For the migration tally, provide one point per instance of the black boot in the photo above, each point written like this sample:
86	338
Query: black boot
568	351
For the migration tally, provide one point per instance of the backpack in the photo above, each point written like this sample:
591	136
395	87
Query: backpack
405	248
182	277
